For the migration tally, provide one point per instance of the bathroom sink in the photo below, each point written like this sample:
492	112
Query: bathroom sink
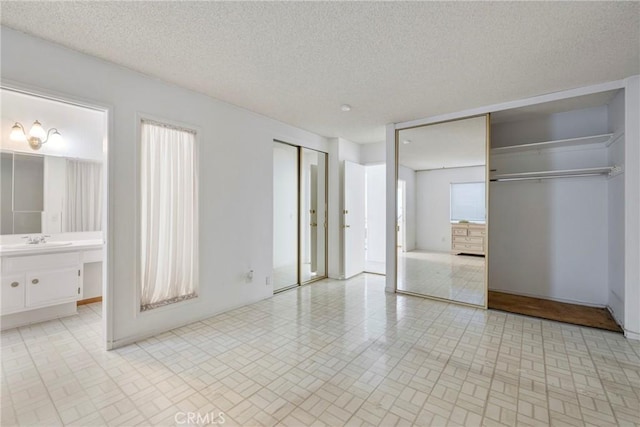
20	246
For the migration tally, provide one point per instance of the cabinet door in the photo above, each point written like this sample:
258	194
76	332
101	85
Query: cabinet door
48	287
12	293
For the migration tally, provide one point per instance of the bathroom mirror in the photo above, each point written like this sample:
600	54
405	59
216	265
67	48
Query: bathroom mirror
442	210
49	194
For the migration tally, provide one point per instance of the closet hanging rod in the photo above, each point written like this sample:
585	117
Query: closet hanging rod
530	178
567	173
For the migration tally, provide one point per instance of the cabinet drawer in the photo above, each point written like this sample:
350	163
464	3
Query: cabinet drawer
459	231
46	261
12	293
468	247
468	239
478	232
49	287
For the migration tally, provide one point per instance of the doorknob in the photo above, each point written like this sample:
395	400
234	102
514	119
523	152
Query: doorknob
347	226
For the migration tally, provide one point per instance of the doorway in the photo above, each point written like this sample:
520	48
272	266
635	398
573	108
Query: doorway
54	184
375	217
299	216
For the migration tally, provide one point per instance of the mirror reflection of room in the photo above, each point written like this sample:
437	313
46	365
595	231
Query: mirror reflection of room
441	210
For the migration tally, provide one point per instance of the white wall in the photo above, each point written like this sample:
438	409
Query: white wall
615	204
373	153
91	280
375	212
569	124
334	212
549	239
409	177
433	204
632	208
235	148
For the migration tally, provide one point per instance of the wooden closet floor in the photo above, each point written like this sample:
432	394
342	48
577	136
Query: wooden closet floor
553	310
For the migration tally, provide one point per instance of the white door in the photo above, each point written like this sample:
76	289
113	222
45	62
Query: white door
353	219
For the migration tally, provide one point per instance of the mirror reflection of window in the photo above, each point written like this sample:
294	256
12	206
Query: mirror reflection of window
468	202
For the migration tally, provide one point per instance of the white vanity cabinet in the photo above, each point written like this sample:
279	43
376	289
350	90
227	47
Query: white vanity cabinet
34	281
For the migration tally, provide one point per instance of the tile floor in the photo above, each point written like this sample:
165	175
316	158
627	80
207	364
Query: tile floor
441	274
331	353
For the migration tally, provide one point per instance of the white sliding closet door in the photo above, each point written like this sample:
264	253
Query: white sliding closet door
353	219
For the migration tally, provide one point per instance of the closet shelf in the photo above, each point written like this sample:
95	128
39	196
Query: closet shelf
565	173
585	140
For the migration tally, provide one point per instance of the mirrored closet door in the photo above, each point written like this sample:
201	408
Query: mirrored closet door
313	215
442	210
299	216
285	216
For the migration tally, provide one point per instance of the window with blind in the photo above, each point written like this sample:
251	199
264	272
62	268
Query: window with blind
168	215
468	202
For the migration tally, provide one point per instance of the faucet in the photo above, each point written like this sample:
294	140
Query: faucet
35	240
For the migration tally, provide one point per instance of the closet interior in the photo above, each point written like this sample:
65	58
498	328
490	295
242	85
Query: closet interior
557	207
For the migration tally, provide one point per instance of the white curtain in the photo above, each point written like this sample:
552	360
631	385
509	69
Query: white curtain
83	205
169	215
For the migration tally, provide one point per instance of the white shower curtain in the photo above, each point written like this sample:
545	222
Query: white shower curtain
169	215
83	207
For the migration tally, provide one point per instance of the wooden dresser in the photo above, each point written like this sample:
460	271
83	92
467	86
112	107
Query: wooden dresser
468	238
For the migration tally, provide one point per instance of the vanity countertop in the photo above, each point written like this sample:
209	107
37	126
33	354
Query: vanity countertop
23	249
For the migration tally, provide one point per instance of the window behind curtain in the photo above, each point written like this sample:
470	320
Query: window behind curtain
468	202
169	215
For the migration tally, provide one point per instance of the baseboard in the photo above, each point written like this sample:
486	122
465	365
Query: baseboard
89	301
131	339
632	335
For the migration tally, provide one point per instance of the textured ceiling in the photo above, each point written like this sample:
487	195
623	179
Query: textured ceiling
455	144
394	61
